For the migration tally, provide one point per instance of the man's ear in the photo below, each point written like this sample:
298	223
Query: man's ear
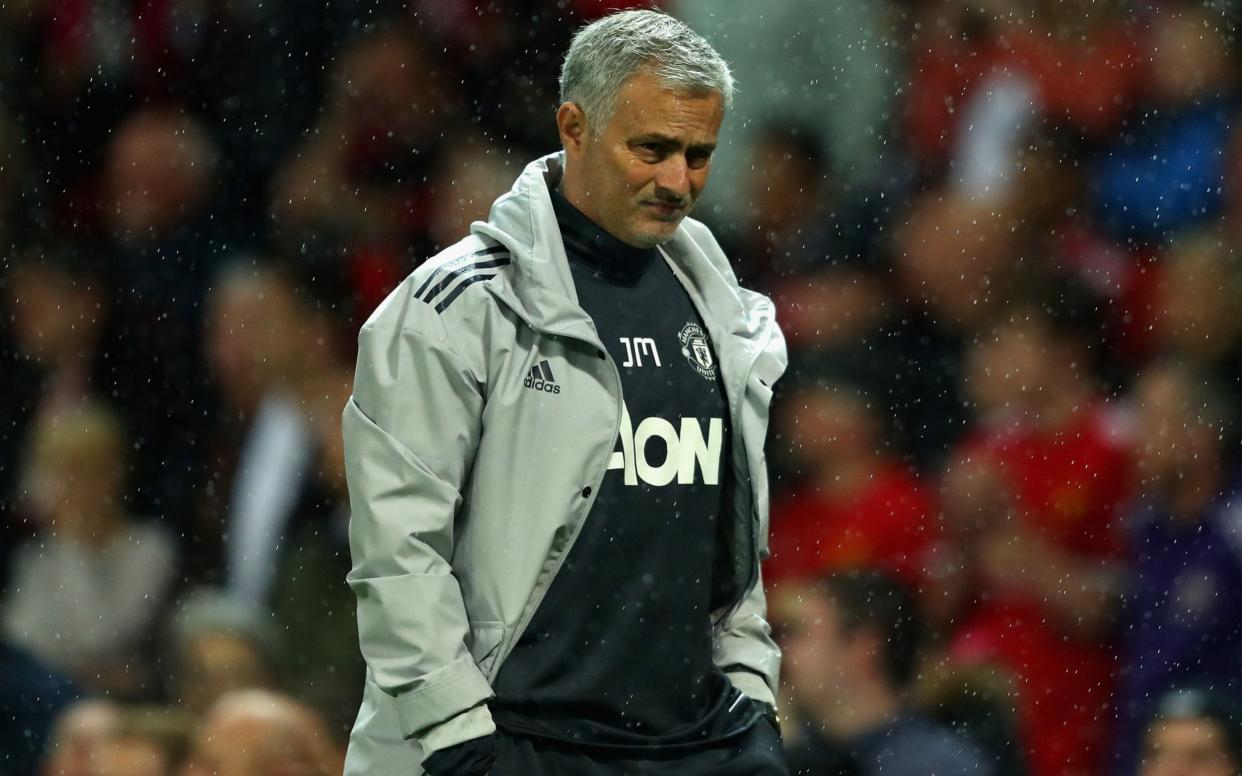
572	126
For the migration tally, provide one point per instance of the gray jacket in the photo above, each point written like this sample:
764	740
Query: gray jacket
468	489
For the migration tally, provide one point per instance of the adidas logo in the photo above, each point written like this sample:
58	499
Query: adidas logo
540	378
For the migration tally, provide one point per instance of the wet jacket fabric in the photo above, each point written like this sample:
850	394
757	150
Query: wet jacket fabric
468	485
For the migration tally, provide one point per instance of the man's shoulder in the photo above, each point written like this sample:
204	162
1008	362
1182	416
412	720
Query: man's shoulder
444	280
441	280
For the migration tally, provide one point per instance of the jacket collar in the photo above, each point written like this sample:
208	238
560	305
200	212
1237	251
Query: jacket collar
542	288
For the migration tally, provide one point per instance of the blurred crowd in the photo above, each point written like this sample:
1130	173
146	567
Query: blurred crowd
1002	236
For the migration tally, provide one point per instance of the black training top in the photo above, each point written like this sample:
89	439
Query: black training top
619	652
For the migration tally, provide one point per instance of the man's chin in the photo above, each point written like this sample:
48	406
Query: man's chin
654	234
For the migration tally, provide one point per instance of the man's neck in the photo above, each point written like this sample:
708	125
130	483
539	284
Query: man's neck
589	244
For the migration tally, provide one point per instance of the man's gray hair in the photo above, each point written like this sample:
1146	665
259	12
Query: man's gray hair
605	53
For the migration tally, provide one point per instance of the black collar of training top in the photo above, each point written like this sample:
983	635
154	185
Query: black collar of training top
589	245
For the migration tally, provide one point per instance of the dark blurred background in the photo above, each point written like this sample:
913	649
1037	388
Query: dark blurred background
1005	242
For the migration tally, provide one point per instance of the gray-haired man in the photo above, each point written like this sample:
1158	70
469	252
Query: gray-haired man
555	458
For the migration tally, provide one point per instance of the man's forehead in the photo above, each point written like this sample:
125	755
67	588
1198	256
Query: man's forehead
645	104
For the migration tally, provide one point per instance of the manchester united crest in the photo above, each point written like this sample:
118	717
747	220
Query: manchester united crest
696	350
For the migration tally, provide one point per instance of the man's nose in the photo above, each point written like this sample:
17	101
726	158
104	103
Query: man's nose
674	177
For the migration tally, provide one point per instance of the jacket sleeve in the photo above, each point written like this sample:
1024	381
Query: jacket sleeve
745	651
410	429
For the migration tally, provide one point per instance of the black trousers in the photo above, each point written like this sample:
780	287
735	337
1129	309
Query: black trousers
757	752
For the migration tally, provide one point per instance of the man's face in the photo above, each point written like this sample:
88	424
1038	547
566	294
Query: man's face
1166	442
1186	747
640	176
228	746
819	654
132	756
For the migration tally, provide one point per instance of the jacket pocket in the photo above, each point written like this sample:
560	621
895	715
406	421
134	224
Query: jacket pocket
485	641
766	370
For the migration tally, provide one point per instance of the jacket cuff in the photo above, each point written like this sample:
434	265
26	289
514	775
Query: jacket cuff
752	685
469	725
441	696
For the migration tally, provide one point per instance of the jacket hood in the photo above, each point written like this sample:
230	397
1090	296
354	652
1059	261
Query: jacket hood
542	287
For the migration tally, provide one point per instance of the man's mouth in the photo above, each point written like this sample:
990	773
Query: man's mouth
665	208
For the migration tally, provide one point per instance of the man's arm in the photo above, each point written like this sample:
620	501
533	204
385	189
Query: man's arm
744	648
410	430
745	651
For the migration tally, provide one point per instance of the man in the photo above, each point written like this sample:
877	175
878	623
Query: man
1193	733
1182	614
261	733
79	736
852	644
554	452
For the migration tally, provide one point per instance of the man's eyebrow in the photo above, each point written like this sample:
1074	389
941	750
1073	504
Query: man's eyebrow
654	137
665	140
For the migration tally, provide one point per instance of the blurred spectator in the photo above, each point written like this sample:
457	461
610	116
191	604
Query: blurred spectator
470	175
260	733
852	646
488	45
838	312
842	325
257	74
245	319
1077	64
158	175
111	570
157	185
216	645
797	221
1200	281
81	735
956	264
148	741
1046	575
1184	625
1193	733
976	702
976	504
311	603
31	698
360	178
296	355
1167	171
855	505
57	309
259	453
